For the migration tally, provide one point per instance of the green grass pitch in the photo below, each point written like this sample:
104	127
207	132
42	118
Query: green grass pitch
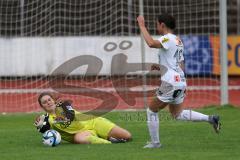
181	140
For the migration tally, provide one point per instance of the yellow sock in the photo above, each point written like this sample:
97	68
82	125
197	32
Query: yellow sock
96	140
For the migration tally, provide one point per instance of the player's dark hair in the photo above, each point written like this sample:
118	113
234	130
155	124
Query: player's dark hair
168	20
44	94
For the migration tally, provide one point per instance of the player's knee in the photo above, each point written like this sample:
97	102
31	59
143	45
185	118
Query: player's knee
128	136
125	134
177	116
153	108
175	111
118	132
174	114
81	141
81	138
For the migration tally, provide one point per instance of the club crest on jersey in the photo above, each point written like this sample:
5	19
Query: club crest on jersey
177	78
165	40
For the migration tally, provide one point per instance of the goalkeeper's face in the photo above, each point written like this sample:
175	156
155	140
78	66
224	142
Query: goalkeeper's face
48	104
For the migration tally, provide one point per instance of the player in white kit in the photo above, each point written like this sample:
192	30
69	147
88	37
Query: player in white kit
173	83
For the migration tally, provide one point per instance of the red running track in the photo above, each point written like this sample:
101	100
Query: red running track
21	95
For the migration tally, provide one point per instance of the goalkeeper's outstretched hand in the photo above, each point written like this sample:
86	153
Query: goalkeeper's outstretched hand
41	123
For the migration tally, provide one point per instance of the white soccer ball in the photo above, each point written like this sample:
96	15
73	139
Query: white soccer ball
51	138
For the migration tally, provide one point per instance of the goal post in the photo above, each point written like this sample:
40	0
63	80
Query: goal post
223	51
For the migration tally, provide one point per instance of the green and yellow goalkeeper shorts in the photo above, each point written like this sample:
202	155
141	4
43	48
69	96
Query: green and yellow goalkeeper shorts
100	127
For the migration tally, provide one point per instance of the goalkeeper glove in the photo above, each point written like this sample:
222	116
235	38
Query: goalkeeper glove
41	123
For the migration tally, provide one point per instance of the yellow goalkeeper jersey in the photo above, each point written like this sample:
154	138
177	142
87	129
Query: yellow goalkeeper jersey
73	127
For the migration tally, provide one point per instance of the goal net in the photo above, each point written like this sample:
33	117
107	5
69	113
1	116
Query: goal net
91	52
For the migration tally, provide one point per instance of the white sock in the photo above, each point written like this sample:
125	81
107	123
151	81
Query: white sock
153	125
189	115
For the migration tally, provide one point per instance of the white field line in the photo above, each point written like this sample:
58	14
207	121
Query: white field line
109	89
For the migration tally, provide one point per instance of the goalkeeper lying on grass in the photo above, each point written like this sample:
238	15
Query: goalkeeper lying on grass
76	127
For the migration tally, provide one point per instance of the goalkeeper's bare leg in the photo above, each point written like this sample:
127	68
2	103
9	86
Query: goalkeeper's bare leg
86	137
119	135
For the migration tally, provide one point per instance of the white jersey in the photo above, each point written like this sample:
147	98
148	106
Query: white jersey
170	57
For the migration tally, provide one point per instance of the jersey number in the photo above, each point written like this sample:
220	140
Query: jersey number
178	55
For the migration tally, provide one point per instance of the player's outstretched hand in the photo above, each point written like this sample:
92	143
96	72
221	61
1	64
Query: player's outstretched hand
141	21
39	121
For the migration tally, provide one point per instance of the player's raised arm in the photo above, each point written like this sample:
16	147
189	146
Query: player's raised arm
148	38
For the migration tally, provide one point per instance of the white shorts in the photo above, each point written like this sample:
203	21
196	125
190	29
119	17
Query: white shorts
171	94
